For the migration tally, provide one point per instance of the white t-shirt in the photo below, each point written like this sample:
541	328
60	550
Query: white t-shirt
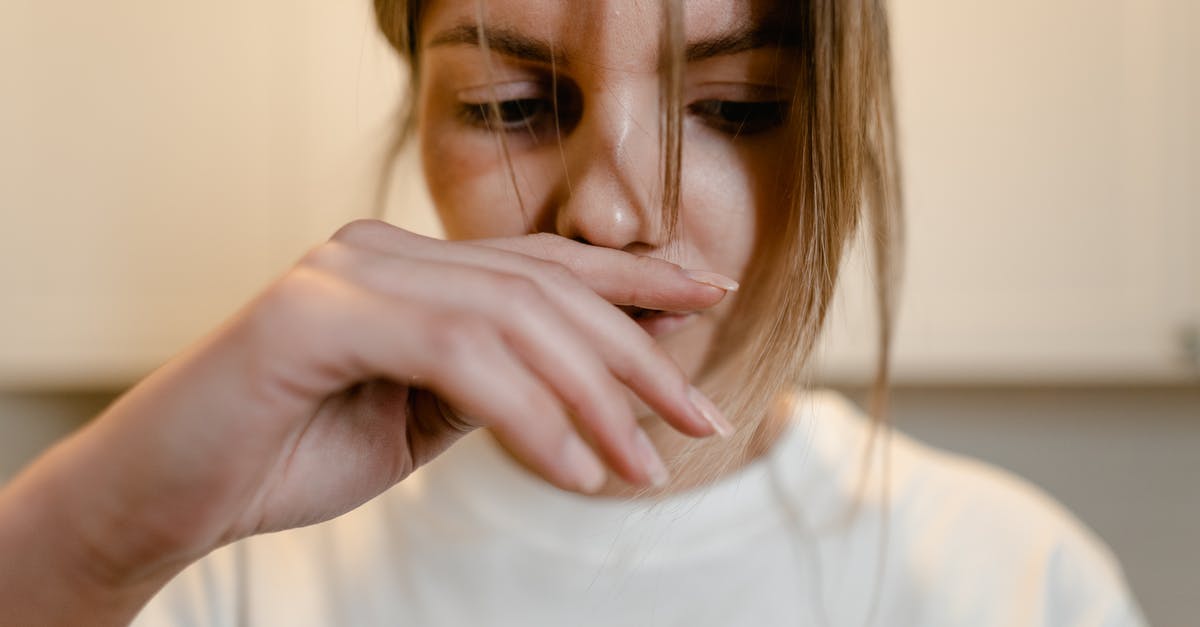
474	539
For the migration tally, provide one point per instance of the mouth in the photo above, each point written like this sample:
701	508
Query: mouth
639	313
657	322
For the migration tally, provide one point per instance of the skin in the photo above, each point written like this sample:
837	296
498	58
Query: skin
381	348
594	177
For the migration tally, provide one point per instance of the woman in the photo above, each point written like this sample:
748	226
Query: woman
701	170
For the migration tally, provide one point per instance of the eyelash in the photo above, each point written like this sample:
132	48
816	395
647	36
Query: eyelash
509	116
536	115
741	117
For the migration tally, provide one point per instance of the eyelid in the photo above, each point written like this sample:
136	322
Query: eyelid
516	90
731	90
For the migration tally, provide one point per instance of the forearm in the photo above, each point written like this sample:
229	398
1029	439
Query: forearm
55	567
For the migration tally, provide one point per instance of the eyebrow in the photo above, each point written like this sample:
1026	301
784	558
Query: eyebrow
512	43
749	37
505	41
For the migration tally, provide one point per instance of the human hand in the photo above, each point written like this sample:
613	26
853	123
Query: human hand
332	385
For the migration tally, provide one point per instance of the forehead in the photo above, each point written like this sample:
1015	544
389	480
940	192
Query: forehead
618	34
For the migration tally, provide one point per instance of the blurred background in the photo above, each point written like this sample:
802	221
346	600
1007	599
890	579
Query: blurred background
161	162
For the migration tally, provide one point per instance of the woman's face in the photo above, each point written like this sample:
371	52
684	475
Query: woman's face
593	173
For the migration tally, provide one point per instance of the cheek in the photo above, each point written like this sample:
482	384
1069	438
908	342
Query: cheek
468	181
728	187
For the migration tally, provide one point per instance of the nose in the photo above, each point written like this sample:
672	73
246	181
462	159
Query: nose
611	161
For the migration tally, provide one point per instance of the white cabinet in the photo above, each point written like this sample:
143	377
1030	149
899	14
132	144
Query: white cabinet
1052	163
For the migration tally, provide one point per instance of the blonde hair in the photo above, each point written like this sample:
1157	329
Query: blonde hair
846	173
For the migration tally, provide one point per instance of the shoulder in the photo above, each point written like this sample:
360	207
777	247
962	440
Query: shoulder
969	536
977	533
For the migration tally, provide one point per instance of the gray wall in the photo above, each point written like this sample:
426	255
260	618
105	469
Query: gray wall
1125	460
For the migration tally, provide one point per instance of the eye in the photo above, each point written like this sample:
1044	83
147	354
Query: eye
510	115
541	110
737	117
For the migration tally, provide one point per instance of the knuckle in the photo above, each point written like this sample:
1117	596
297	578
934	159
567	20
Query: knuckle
362	230
327	256
297	287
646	269
541	404
557	274
646	263
652	279
458	336
291	306
661	269
635	294
593	398
556	278
518	287
547	239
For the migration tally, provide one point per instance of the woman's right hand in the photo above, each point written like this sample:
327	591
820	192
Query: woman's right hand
333	384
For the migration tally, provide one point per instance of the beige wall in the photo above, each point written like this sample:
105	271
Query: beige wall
1053	226
162	162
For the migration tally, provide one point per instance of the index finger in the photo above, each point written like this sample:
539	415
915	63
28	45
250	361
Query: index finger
589	276
620	277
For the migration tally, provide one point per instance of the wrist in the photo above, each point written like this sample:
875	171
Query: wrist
65	562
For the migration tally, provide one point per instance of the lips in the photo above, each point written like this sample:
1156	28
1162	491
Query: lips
641	313
657	322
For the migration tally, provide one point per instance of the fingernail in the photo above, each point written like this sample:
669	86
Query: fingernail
650	460
583	464
719	281
711	413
